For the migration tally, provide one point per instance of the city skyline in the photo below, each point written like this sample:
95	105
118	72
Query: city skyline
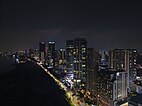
105	24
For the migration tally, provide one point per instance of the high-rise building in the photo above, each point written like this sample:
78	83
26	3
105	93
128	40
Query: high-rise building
130	64
139	58
51	55
56	68
117	59
42	53
77	59
139	66
69	55
62	59
104	58
111	87
92	69
121	59
80	60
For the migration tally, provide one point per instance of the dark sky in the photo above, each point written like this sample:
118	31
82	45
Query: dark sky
106	24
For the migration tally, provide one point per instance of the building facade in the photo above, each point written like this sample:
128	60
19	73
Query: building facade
42	53
111	87
121	59
76	51
51	55
92	69
69	55
80	60
62	59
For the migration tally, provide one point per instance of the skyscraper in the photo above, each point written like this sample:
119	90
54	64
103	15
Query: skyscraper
104	58
117	59
56	61
51	55
69	55
62	59
92	69
121	59
42	52
80	60
130	64
77	59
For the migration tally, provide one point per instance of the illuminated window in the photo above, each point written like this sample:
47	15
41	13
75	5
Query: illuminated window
83	49
83	58
60	61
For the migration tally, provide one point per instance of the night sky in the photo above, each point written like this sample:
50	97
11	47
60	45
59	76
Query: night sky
105	24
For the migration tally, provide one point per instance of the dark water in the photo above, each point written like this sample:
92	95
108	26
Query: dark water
6	64
28	85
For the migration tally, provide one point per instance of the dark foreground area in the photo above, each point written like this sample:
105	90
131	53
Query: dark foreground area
28	85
